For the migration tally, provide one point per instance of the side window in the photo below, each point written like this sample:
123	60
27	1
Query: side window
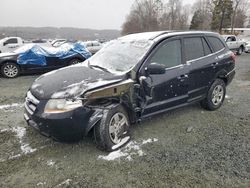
11	41
229	39
233	39
193	48
216	43
207	49
169	54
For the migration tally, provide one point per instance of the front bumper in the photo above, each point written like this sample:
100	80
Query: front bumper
62	126
247	48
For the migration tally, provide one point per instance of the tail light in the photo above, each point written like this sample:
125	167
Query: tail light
233	56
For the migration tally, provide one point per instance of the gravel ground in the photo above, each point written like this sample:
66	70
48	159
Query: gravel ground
188	147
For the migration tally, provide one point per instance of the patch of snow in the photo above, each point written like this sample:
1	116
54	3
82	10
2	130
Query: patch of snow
150	140
50	162
66	182
20	132
27	149
4	130
190	129
15	156
7	106
131	149
41	183
114	155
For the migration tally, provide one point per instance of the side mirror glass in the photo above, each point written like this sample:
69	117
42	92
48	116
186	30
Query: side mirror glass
5	43
155	68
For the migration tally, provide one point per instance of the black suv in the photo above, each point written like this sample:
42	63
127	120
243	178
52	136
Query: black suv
130	79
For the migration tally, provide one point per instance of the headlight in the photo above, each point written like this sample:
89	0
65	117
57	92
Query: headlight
61	105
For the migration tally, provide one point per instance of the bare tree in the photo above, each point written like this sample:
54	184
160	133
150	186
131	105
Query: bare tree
240	10
174	15
143	17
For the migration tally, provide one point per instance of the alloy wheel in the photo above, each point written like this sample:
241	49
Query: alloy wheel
116	125
10	70
217	95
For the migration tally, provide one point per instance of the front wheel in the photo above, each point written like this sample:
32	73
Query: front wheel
215	95
240	50
112	132
10	70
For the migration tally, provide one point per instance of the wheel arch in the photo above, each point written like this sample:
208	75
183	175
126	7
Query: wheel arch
9	61
101	108
222	75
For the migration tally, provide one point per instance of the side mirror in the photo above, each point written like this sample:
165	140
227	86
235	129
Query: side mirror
155	68
5	43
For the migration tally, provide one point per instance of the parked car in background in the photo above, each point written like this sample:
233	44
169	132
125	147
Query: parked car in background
247	45
32	58
9	44
234	43
128	80
93	46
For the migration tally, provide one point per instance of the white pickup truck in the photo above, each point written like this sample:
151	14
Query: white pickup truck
9	44
234	43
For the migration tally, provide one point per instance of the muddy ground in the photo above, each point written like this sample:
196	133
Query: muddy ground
188	147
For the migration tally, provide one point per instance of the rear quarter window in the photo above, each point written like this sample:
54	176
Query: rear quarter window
216	43
195	48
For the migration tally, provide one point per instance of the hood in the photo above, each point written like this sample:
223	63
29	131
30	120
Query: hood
71	82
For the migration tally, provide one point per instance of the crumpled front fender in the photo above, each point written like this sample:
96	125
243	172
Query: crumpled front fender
99	113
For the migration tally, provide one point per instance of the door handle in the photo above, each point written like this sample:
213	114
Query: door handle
182	77
215	64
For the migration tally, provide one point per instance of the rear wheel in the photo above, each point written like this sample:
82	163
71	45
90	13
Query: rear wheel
215	95
10	70
112	132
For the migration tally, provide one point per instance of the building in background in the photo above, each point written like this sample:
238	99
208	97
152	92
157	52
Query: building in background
237	31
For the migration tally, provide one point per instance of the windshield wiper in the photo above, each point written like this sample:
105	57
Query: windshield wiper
99	67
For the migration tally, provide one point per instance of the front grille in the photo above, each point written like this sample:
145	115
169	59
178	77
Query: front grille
31	103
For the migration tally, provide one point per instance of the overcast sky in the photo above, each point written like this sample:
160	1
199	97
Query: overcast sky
94	14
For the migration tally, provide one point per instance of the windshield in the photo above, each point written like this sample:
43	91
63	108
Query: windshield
120	55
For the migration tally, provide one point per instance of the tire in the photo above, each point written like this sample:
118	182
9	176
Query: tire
112	132
240	50
10	70
215	95
74	61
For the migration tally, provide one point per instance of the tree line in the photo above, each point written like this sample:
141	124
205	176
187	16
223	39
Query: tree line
152	15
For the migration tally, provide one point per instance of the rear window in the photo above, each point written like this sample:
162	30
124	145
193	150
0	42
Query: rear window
216	43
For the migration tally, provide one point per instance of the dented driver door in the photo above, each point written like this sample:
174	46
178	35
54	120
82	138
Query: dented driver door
166	89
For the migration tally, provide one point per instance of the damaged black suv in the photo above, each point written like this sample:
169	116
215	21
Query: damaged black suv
130	79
